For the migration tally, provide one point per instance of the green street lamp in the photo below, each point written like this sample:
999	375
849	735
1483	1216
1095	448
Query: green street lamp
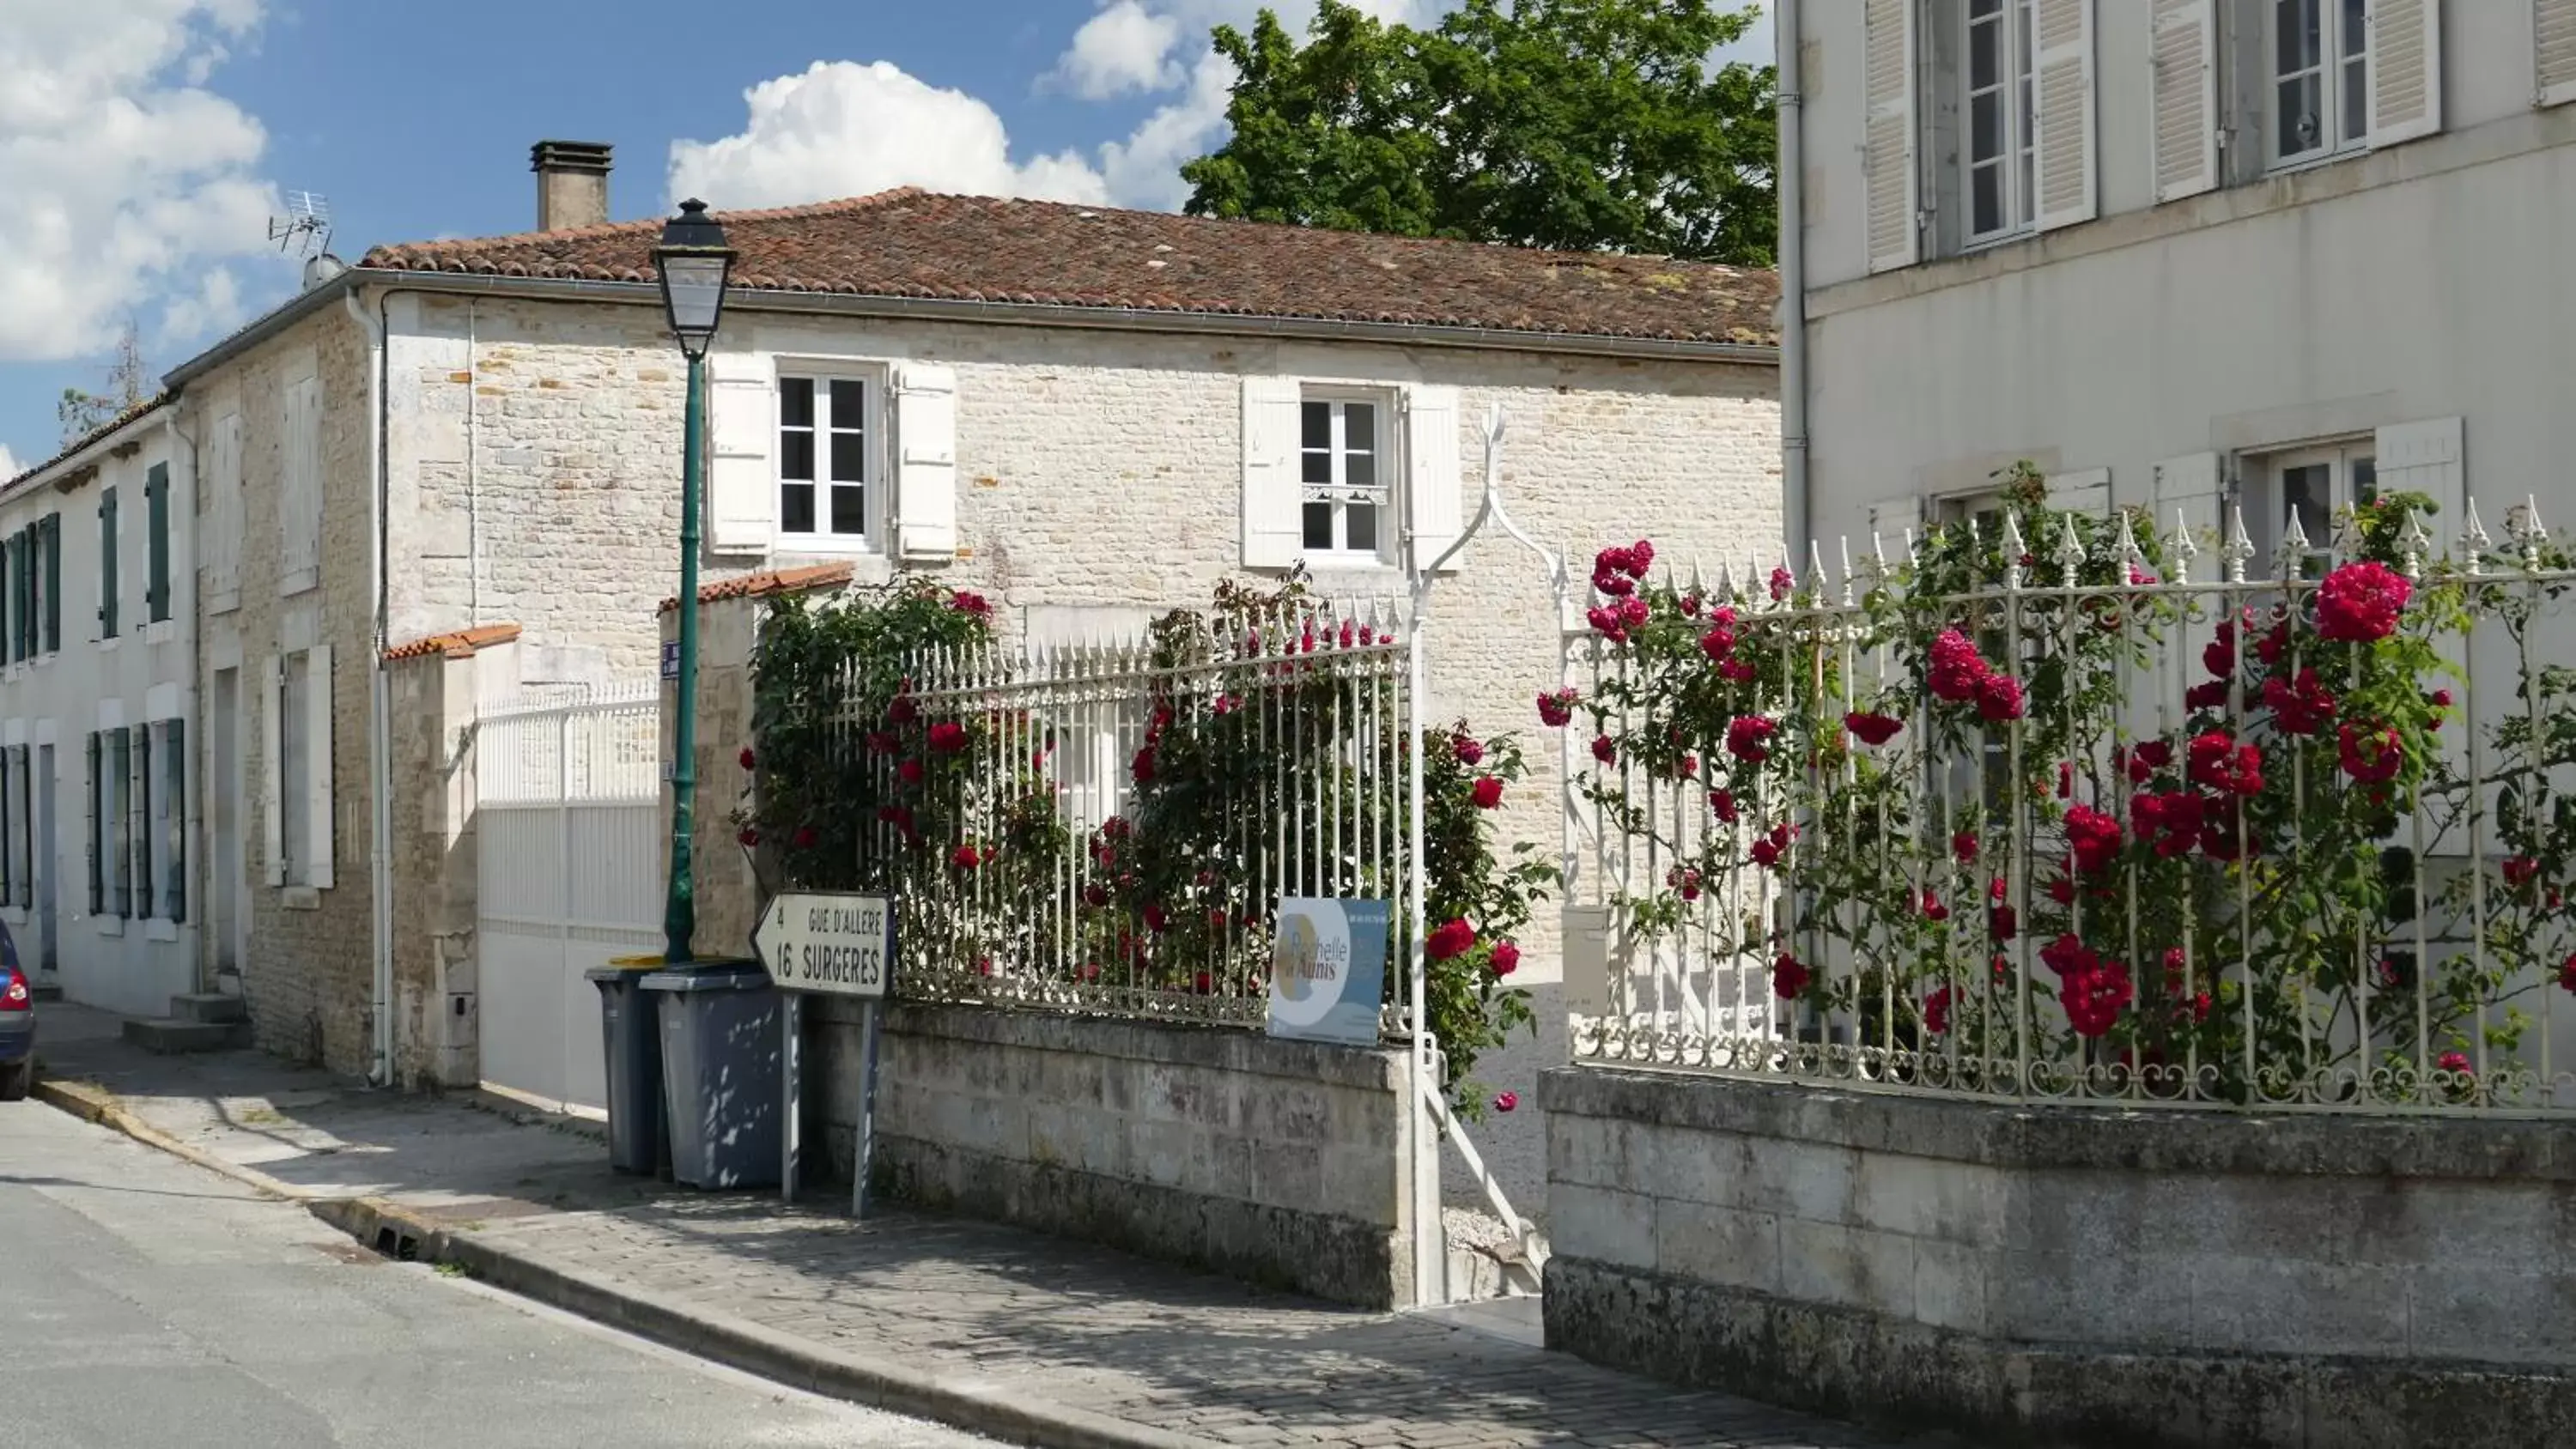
695	266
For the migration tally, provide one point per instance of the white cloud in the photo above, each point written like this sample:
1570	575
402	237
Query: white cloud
127	179
845	129
10	467
1123	48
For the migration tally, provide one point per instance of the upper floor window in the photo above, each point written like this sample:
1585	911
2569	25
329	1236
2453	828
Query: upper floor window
826	462
2317	61
1343	467
2310	488
1999	102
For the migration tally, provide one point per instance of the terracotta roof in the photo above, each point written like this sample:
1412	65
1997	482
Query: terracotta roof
458	645
909	243
72	448
757	586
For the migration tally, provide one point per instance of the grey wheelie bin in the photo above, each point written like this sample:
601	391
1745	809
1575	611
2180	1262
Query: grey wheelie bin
721	1073
639	1139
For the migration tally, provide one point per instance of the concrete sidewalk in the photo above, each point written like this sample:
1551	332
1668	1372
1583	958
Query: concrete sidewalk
1007	1332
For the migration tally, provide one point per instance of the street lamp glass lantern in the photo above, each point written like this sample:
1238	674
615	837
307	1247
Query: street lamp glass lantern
695	267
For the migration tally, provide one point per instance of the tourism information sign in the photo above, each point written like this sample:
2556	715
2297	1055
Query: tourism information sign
1328	969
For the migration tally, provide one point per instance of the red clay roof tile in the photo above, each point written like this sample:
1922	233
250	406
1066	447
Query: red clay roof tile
758	586
460	644
910	243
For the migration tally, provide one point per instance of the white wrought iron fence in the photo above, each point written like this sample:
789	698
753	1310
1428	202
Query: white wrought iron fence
2036	815
1278	757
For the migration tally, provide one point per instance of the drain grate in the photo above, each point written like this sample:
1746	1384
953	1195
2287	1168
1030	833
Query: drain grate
394	1243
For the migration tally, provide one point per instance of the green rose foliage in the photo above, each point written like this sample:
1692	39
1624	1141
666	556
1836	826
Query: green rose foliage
1981	794
872	776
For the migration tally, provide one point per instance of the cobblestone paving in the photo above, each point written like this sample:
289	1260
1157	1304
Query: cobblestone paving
1090	1329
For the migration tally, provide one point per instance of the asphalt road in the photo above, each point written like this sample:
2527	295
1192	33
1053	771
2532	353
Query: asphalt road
146	1303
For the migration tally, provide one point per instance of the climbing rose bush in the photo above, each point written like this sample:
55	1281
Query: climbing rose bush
2173	882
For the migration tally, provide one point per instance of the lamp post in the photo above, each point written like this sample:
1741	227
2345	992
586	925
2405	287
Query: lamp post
694	265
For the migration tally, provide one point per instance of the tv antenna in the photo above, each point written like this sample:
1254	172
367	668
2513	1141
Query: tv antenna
305	229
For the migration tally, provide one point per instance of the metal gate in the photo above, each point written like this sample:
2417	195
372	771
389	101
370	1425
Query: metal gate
568	831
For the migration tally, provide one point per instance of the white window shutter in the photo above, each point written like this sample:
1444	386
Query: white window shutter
2189	490
925	440
272	774
2087	492
2553	43
2184	84
2404	69
742	483
1431	461
1894	526
1274	531
1890	186
2062	135
319	842
2426	458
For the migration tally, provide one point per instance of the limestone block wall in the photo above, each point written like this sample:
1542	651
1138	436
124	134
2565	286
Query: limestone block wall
306	968
536	453
1272	1161
2068	1275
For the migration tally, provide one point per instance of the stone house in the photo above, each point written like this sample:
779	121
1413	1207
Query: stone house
1089	415
100	882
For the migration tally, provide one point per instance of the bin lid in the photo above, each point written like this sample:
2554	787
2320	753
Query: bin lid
732	977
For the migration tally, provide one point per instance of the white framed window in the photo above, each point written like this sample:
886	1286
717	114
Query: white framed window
2309	486
1344	473
2000	104
829	459
2316	65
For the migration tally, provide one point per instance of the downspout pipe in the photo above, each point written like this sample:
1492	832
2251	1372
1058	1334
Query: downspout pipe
379	702
1796	514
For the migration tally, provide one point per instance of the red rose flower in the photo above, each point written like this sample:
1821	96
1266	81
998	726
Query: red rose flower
1556	710
948	737
1488	792
900	818
1782	584
2359	603
1507	1101
965	602
1936	1011
2456	1063
1956	673
1156	920
749	760
1448	940
1603	750
2371	759
2094	837
2004	921
1933	910
2300	707
748	836
1873	729
965	858
1505	958
1788	977
1737	671
2520	871
903	710
1722	804
1747	738
2212	695
909	772
1143	765
1468	751
2567	974
1641	557
1963	846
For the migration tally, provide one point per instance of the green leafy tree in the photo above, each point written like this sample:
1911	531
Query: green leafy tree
1576	124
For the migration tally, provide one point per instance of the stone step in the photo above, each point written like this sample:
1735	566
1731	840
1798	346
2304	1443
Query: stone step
212	1006
171	1035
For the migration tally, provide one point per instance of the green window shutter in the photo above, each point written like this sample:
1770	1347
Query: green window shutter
22	560
175	766
138	816
156	507
53	576
116	821
97	817
107	581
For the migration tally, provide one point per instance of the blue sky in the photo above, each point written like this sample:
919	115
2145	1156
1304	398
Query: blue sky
144	142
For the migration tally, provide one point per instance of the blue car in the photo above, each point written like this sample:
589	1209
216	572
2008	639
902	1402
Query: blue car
17	1024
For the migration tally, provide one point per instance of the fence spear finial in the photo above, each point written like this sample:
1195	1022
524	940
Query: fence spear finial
2528	532
2293	547
2474	541
2070	549
2180	547
2418	544
2239	547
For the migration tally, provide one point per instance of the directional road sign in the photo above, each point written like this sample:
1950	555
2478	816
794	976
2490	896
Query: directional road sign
826	942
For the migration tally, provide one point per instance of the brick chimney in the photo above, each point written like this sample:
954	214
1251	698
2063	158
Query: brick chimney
572	183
